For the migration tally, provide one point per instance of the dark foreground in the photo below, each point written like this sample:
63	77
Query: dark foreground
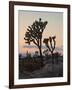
31	68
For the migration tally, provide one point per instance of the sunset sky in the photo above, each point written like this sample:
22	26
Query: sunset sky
54	27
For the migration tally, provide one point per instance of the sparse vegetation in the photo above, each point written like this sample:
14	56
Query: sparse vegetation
31	64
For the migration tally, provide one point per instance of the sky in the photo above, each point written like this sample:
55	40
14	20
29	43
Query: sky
54	27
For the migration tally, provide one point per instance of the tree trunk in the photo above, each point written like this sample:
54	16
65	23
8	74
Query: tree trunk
52	57
52	62
40	50
41	57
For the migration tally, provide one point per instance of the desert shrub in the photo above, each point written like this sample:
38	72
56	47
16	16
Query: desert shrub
30	64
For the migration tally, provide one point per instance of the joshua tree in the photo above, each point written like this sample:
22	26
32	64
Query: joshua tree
34	34
50	44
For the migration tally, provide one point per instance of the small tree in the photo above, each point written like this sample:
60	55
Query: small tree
50	44
34	34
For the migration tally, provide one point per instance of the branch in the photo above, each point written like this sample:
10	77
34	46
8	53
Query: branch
51	45
48	48
35	43
54	44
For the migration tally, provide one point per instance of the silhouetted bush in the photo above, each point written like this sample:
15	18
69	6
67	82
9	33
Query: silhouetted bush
29	64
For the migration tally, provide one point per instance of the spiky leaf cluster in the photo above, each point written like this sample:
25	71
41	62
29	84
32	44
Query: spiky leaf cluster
34	32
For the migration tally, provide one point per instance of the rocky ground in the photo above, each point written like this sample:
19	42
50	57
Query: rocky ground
48	70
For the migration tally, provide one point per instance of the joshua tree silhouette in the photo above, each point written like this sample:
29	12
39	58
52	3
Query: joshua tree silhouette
34	34
50	44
